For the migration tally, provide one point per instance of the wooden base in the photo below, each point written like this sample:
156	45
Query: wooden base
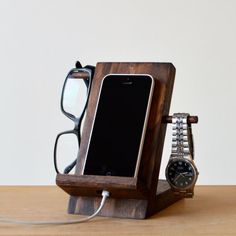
125	208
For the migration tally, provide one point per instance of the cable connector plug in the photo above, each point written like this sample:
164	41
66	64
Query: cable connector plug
105	193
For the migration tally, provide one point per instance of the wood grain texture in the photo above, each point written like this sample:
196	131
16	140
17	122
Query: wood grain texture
143	189
210	212
124	207
92	185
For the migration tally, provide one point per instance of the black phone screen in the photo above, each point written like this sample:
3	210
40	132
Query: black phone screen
117	132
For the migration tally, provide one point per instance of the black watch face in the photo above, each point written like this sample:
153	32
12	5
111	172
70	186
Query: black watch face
180	173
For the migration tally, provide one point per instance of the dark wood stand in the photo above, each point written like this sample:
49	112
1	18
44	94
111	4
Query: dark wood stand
139	197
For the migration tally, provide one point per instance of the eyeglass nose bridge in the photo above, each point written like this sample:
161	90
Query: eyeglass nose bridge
77	124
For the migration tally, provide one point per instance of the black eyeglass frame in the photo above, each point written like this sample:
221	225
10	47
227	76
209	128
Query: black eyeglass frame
77	120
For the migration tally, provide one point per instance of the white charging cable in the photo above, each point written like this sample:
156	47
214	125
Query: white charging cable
105	195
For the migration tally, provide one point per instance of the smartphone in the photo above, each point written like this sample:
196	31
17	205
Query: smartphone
118	130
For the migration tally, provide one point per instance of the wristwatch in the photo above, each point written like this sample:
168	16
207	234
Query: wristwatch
181	172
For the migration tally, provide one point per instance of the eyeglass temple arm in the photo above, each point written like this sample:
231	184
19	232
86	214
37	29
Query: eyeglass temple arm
68	169
90	67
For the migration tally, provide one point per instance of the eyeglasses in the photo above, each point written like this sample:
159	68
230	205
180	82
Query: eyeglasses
74	99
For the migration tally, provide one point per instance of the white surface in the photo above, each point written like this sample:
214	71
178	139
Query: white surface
41	40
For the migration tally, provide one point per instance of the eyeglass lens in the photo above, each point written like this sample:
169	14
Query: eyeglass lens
67	150
75	94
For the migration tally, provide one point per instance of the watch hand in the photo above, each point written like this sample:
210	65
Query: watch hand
175	179
184	173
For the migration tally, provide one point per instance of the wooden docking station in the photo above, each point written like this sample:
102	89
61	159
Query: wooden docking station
130	197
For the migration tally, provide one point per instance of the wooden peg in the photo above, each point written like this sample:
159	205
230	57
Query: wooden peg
80	75
191	119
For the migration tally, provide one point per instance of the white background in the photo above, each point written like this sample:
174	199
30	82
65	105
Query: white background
40	41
